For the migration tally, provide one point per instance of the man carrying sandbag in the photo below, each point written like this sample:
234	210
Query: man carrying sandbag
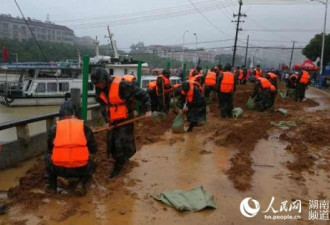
192	93
263	93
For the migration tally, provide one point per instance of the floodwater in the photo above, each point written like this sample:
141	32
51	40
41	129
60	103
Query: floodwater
14	113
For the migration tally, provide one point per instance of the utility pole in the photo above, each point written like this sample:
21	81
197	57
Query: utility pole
246	51
291	54
238	21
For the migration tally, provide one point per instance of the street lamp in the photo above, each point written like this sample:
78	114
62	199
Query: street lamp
323	39
196	48
184	33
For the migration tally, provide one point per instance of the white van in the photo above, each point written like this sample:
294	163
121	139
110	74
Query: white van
145	79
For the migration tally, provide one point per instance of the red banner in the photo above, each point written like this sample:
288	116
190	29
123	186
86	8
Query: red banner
4	54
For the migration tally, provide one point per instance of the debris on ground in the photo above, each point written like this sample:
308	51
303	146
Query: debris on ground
282	111
285	125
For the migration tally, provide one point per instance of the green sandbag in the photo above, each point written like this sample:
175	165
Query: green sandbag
291	93
282	111
178	123
237	112
251	104
158	116
194	200
282	94
285	125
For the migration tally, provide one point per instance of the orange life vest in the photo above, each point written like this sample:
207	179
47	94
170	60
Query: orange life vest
117	107
258	73
304	78
211	79
129	78
190	93
272	75
152	85
176	86
197	78
240	76
265	83
70	144
227	83
191	74
166	82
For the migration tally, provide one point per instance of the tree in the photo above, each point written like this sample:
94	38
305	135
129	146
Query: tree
137	47
313	49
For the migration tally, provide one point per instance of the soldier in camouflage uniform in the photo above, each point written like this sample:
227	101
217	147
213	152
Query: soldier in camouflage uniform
120	140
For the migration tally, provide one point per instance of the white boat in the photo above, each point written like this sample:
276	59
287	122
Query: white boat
41	84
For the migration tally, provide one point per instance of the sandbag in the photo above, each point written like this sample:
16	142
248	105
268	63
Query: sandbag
178	123
291	93
158	116
282	111
285	125
237	112
282	94
251	104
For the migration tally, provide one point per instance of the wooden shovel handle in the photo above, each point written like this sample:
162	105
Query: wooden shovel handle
119	124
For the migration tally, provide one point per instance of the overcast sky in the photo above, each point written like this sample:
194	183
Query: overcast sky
164	21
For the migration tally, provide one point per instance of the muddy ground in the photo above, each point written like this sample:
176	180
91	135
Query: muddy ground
233	159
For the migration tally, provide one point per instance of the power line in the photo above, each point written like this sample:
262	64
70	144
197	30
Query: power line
207	19
270	47
285	30
34	37
238	21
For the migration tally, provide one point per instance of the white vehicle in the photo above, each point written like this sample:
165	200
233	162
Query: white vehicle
149	78
39	84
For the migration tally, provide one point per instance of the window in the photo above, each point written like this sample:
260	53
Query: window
41	88
5	25
90	87
64	87
51	87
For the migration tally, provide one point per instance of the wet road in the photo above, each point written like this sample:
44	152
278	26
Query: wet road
182	162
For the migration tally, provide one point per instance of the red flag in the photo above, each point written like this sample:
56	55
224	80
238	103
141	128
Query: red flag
4	54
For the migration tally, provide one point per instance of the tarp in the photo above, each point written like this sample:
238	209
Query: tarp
191	201
307	64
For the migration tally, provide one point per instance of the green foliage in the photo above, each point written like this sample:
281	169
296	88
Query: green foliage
28	50
313	49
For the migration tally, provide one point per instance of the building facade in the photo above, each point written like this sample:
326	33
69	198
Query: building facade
176	52
15	28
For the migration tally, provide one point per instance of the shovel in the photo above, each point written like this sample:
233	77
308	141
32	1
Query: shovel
157	116
108	128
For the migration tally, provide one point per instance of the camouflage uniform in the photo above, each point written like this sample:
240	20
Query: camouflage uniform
84	172
263	96
121	140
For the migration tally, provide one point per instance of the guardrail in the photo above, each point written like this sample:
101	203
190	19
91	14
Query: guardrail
28	146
